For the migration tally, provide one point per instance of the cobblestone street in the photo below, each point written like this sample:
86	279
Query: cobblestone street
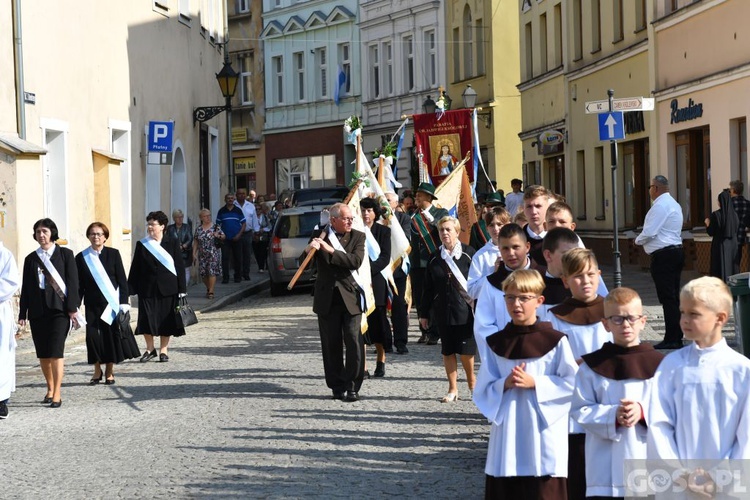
242	410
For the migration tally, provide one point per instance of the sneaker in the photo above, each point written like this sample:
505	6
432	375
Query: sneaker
3	410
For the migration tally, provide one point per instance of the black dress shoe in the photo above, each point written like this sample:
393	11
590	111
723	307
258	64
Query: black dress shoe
351	396
47	400
379	370
163	358
340	395
55	404
422	339
432	341
148	356
95	380
669	345
109	381
402	349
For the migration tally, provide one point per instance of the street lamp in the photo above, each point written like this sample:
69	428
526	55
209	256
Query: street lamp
227	79
429	106
470	101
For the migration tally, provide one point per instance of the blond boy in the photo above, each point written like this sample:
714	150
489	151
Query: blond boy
700	404
523	388
611	395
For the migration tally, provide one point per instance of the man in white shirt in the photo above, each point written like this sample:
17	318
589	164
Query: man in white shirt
661	239
514	200
251	226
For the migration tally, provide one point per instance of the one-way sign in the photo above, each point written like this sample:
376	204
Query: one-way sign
623	104
611	126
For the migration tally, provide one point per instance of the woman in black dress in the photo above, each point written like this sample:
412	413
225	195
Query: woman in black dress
105	342
183	233
157	276
49	300
446	291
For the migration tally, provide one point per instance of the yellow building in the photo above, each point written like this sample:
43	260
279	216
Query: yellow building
482	51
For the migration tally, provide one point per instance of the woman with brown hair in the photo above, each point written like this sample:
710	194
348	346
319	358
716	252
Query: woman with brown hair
104	288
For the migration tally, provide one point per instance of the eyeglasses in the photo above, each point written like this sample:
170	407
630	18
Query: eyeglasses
345	219
96	235
522	299
618	320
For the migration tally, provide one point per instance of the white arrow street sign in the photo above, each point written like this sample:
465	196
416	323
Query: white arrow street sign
622	104
610	123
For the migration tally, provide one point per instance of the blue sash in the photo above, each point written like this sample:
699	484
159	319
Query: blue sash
161	255
104	283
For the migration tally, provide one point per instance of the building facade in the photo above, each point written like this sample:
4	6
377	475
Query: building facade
87	100
248	106
307	46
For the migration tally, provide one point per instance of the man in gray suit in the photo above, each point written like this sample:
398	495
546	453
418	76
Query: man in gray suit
338	302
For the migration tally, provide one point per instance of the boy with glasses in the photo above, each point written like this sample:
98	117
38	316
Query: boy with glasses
524	388
611	394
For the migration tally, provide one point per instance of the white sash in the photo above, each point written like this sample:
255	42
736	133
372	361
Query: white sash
336	244
53	271
161	255
96	268
373	249
448	258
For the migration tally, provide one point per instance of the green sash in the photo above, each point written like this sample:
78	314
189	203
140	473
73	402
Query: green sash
420	224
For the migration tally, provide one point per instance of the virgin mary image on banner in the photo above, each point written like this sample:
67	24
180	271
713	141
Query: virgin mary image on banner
445	162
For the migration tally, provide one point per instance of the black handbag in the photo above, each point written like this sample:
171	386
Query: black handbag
184	314
218	242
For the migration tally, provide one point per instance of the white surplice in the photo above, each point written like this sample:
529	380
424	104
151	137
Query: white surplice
594	408
528	435
490	315
700	405
9	282
482	264
584	339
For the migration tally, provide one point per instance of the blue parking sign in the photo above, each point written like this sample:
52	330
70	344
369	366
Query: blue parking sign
160	137
611	126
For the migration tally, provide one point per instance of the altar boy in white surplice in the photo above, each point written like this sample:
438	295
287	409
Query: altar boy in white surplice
524	388
9	282
700	404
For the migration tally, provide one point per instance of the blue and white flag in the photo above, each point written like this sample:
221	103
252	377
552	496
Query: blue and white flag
398	149
340	86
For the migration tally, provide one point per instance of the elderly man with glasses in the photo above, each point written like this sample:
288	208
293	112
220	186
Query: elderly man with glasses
339	302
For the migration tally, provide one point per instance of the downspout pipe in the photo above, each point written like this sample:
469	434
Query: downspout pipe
18	69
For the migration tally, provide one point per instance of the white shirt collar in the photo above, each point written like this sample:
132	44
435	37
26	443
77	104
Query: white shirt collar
456	253
40	251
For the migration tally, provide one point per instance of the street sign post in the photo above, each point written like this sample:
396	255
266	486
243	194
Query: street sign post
623	104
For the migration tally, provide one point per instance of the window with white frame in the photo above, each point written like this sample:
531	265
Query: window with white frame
374	71
431	48
388	54
119	133
408	43
277	63
345	61
242	6
479	27
456	55
321	64
246	81
299	75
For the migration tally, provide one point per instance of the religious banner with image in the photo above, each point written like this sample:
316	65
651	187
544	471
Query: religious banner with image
443	138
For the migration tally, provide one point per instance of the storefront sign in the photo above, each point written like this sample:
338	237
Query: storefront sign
244	165
550	142
691	112
239	134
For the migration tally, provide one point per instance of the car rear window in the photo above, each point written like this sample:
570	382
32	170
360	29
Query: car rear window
297	225
337	193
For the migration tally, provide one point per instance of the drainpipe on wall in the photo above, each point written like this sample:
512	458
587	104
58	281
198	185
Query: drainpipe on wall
18	67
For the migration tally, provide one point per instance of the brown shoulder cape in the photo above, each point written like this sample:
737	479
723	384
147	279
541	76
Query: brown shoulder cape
621	363
576	312
522	342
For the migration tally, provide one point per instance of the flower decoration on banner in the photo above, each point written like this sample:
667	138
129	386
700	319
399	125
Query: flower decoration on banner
389	150
359	176
353	128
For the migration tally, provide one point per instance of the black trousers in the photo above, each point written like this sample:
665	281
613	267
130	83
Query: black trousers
666	269
738	258
246	242
399	314
339	330
231	249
